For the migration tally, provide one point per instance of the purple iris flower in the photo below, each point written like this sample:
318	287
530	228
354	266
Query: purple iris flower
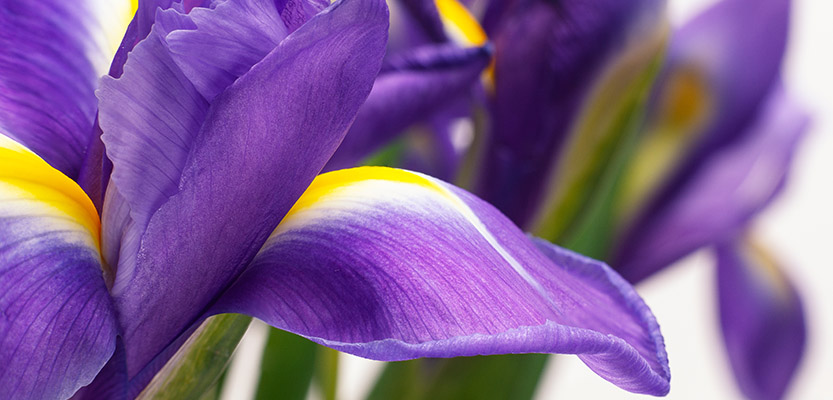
216	120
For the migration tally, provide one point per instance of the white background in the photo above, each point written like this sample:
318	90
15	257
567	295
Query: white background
798	228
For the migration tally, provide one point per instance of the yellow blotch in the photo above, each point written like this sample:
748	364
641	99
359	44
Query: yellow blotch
762	264
685	106
26	176
330	182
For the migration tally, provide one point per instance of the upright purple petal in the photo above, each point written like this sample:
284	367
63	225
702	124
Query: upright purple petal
762	320
410	89
51	56
548	54
149	117
57	322
723	196
231	38
262	141
174	63
393	265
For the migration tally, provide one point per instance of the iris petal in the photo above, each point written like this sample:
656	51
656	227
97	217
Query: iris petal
392	265
57	326
411	88
237	170
762	320
723	196
51	55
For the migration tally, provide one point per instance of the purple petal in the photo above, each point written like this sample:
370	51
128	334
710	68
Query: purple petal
738	46
231	38
48	72
57	323
547	57
426	18
392	265
149	117
410	89
174	63
762	320
723	196
263	140
733	52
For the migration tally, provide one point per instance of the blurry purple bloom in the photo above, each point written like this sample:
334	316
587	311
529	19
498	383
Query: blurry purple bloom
216	121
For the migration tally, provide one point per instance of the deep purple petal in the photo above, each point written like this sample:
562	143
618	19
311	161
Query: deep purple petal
57	322
424	15
48	72
392	265
548	55
409	90
723	196
263	140
762	320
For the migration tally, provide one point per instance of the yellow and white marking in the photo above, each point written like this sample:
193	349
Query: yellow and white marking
109	21
329	191
30	186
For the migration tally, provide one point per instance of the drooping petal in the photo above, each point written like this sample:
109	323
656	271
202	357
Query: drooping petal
51	55
57	322
392	265
409	89
548	55
719	71
762	320
263	140
723	196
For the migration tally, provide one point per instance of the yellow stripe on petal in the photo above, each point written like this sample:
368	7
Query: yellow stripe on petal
26	179
464	30
459	24
331	182
354	188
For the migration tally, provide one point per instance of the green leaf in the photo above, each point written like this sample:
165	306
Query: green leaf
403	380
326	372
600	142
195	368
287	366
511	376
